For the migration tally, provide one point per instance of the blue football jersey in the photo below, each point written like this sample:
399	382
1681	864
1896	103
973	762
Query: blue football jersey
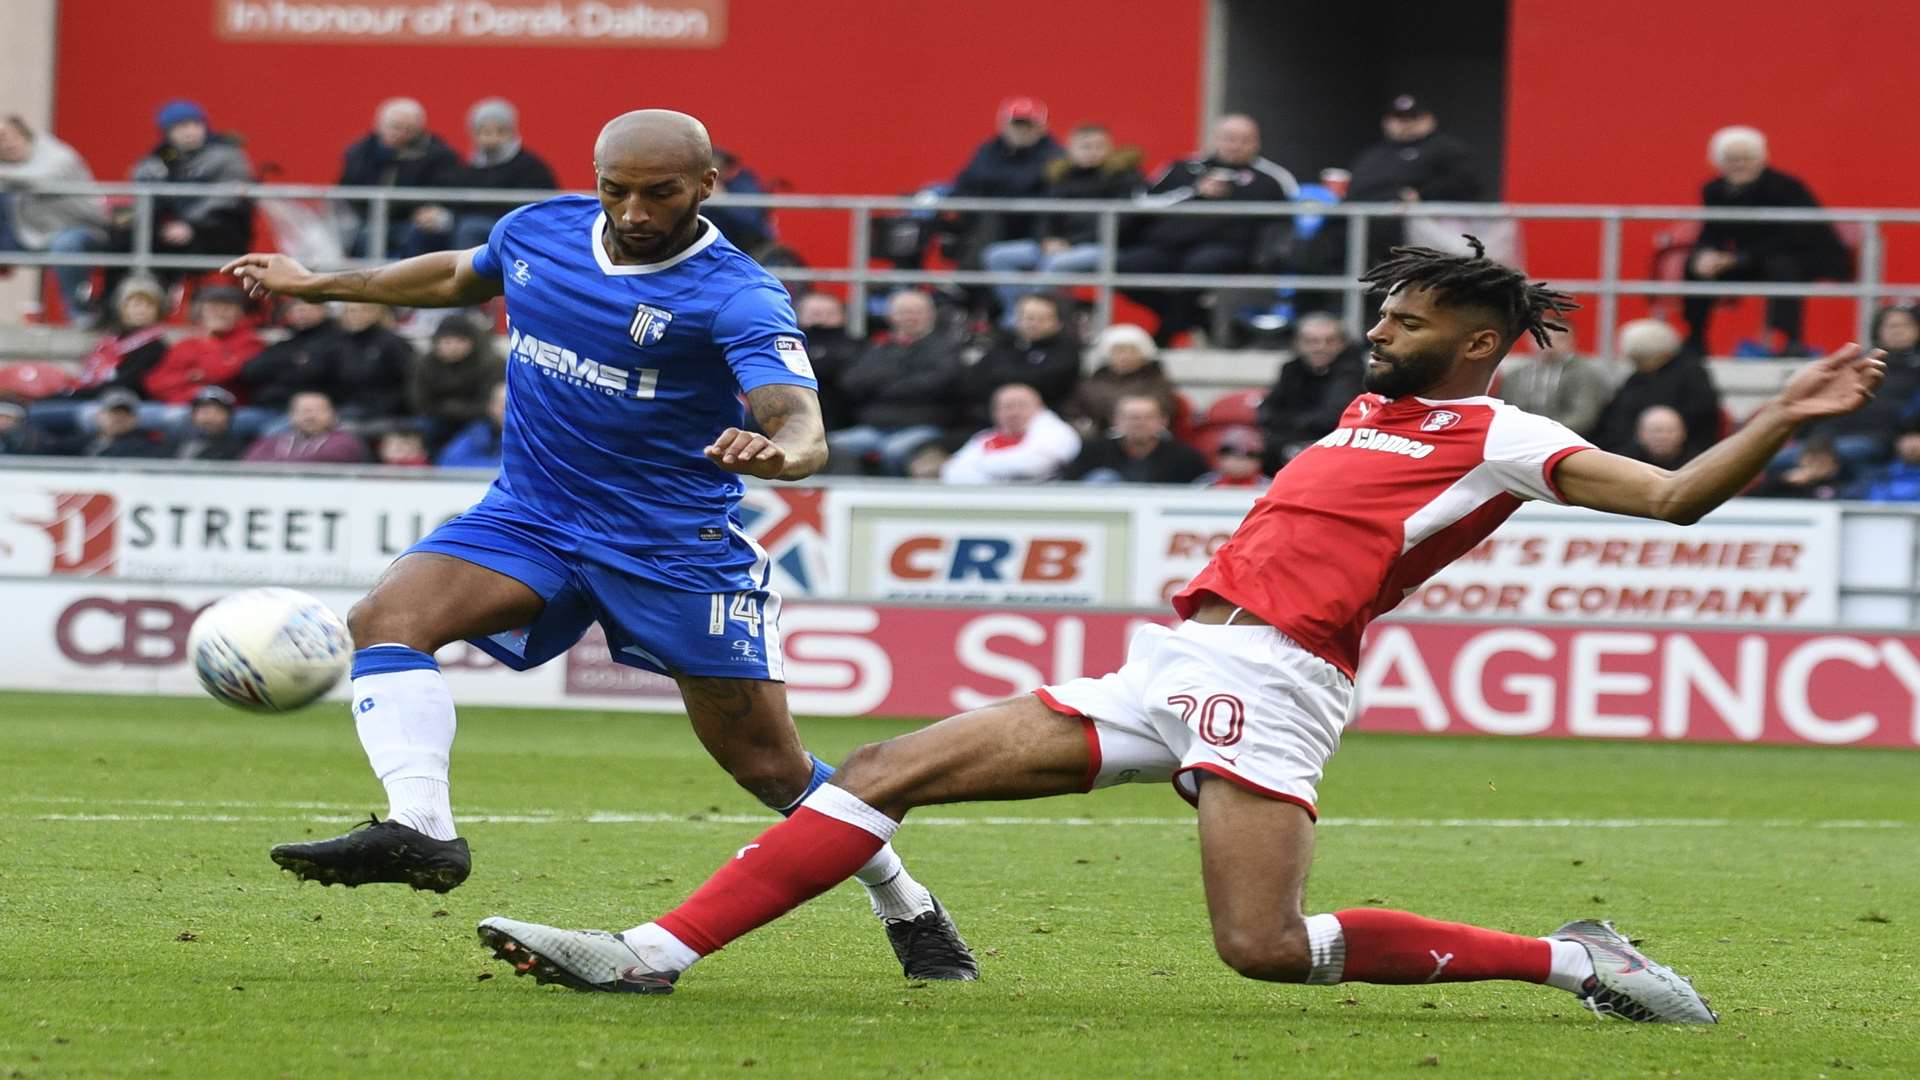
619	376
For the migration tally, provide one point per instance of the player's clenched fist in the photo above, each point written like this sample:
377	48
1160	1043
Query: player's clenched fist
748	454
262	274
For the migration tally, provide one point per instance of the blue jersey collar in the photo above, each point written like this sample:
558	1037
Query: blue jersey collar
608	266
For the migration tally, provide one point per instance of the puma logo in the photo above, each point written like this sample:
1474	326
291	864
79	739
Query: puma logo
1439	964
742	853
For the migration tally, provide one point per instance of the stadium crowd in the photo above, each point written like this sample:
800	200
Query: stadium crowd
967	386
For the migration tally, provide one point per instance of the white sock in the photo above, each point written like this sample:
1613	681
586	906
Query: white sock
406	724
1572	965
1327	948
659	949
892	891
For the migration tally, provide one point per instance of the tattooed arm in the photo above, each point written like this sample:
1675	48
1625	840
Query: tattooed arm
794	446
438	279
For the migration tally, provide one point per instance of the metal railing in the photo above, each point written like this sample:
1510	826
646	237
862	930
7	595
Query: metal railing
861	277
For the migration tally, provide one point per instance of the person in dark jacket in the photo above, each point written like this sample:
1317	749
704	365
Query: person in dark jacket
210	435
1312	390
190	153
137	344
1141	450
1660	438
1040	351
370	376
451	381
1069	243
1866	435
118	433
1819	473
1232	171
749	228
832	350
1667	373
904	391
499	160
1128	366
1011	165
401	152
477	446
1414	162
17	437
308	358
1773	251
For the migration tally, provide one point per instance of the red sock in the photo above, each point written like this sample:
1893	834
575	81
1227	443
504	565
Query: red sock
1399	947
786	866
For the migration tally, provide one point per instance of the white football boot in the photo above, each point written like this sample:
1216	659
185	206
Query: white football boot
1627	984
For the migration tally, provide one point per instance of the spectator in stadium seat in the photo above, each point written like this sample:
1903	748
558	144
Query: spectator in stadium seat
1557	383
63	224
1772	251
190	152
1011	165
210	435
118	433
1040	351
904	391
1665	372
214	356
1818	473
832	350
1128	365
1312	389
452	380
1233	171
135	347
17	437
402	444
477	446
1237	461
371	374
749	228
1898	480
498	160
400	152
1866	436
313	435
1062	242
306	359
1414	161
1141	450
1660	437
1027	443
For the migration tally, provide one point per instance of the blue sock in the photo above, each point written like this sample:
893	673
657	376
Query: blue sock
382	659
822	772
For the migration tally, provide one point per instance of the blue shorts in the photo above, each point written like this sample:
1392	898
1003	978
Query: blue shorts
731	633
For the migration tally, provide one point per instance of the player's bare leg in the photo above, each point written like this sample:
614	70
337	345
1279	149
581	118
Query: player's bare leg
405	718
745	725
1013	750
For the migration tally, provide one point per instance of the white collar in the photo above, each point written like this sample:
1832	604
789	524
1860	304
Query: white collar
608	266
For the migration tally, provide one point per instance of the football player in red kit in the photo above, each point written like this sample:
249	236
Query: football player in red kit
1242	704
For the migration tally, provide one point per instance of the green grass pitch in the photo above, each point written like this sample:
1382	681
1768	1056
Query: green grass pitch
146	934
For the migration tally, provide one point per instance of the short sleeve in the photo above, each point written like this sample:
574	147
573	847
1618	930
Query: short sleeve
491	256
761	341
1523	449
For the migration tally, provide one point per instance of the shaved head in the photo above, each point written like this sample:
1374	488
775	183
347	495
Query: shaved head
653	168
653	140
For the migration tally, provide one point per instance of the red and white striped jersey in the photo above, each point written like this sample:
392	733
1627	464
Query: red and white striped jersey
1355	522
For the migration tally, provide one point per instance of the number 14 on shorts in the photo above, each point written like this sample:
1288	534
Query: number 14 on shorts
741	607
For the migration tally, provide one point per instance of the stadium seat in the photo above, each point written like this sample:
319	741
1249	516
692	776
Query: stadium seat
32	380
1238	407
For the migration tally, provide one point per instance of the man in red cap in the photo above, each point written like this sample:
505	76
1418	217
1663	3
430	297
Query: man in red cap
1011	165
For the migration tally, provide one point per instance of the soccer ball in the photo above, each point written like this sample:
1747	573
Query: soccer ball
269	650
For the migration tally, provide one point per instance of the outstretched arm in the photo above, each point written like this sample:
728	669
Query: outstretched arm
1830	386
794	446
437	279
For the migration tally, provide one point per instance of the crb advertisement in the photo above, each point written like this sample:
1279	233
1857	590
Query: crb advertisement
1750	561
1644	683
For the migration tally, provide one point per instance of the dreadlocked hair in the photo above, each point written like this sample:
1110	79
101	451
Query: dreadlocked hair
1523	306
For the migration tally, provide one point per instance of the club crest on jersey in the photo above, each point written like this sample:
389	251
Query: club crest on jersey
1439	420
521	274
649	324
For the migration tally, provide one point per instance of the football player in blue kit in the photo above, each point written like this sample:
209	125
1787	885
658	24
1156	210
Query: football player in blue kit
634	327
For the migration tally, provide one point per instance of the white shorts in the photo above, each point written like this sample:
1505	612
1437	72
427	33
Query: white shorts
1242	702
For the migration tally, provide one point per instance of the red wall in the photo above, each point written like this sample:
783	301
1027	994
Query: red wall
848	96
1614	103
